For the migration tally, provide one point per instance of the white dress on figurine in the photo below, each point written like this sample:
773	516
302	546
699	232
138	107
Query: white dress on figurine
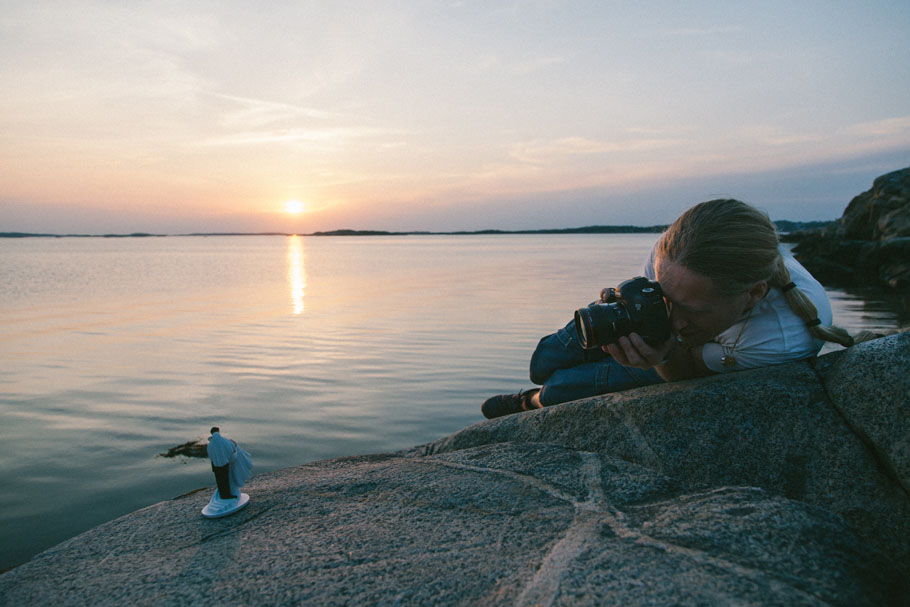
223	451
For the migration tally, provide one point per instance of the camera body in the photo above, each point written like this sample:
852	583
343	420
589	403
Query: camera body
637	306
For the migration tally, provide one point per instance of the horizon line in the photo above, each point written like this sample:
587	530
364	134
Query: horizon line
783	225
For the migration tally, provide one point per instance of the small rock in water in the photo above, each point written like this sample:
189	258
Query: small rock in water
195	448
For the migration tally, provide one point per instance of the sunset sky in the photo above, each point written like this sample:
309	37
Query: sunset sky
175	117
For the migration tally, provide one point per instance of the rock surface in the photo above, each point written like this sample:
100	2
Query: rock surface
869	244
781	486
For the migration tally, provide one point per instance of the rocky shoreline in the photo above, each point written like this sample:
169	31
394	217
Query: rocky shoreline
788	485
869	245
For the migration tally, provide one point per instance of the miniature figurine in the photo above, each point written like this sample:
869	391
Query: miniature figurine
232	466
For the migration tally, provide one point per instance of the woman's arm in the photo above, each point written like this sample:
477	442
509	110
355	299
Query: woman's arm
671	360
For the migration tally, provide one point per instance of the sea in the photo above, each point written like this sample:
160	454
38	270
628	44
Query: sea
300	348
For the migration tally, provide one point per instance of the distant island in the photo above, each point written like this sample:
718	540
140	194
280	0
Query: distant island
783	226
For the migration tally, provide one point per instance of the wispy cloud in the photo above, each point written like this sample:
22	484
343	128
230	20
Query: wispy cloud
255	122
880	128
253	113
542	151
328	135
773	136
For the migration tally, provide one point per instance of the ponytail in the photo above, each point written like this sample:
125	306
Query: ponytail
803	307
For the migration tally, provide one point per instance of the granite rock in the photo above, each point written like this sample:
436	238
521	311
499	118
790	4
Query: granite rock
780	486
870	388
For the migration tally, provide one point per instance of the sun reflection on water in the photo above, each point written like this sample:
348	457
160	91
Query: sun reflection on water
296	272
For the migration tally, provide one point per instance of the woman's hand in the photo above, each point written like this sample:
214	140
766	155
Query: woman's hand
671	360
633	351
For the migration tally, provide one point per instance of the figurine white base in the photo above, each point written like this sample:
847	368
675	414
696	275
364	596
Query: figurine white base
217	507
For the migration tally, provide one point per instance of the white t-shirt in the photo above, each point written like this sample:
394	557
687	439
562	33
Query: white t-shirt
773	334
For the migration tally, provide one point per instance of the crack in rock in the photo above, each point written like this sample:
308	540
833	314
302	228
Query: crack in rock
586	532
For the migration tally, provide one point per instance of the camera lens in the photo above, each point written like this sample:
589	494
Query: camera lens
584	328
601	324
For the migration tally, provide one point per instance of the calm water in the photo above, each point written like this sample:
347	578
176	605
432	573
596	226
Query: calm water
300	348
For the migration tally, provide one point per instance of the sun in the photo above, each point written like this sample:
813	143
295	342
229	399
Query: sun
294	207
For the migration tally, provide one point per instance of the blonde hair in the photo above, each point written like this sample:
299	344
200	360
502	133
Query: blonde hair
736	246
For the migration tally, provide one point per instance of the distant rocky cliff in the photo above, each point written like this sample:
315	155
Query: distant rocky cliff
788	485
869	244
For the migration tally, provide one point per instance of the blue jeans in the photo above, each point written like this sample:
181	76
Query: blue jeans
566	371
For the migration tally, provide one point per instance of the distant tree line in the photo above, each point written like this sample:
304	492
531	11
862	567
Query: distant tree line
783	226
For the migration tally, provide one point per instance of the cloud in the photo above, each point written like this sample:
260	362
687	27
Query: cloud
259	112
253	122
334	135
888	127
774	136
541	151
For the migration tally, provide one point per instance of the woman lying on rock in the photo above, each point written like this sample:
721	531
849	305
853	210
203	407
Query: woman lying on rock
735	301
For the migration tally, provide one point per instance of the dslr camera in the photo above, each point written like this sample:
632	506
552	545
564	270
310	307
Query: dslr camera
637	306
